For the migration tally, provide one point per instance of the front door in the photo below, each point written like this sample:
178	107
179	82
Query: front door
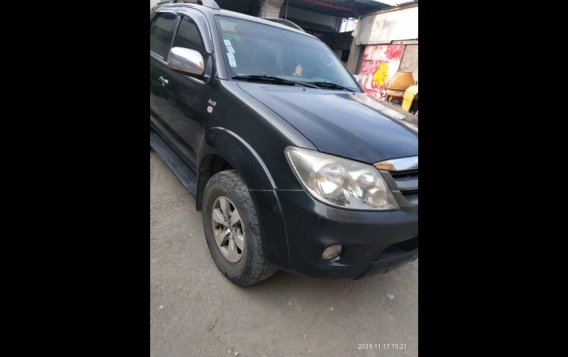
161	37
184	99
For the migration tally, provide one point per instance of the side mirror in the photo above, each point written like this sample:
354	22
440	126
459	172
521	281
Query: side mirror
186	60
358	78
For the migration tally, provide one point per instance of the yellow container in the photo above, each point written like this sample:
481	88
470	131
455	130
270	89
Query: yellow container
395	93
401	81
409	95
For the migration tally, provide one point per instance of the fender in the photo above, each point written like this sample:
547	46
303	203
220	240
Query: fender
231	147
242	157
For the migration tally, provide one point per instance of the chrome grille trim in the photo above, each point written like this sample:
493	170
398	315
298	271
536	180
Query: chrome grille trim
402	177
402	164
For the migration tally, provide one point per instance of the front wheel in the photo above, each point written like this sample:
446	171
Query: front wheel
232	230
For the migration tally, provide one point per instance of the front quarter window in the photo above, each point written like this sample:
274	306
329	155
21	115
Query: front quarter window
251	48
161	33
188	37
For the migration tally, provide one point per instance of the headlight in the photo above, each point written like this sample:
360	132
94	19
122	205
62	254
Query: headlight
340	182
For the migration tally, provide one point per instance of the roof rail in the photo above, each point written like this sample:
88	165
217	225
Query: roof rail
284	22
207	3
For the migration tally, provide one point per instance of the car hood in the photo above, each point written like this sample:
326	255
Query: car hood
351	125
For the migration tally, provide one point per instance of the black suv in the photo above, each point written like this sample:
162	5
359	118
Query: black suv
293	166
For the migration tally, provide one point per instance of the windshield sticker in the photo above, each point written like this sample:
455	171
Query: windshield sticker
298	70
232	61
229	46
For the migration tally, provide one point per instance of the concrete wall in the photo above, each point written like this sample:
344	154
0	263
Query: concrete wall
410	60
376	38
385	27
270	8
379	63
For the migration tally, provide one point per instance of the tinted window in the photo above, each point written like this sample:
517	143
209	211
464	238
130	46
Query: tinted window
161	34
188	37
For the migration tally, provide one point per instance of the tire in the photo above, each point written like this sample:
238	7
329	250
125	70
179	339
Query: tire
242	261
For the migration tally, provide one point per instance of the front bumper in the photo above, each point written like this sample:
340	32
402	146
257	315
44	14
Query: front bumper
373	241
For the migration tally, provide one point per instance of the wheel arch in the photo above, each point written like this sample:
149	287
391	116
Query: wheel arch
222	149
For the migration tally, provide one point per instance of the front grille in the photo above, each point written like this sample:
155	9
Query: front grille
402	176
406	181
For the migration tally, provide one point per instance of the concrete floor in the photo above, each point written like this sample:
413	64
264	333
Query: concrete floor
195	311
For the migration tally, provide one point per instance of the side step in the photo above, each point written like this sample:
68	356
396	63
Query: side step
178	167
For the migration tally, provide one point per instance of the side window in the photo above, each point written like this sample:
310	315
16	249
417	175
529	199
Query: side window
188	37
161	34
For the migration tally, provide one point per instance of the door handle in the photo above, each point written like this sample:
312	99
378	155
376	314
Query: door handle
163	80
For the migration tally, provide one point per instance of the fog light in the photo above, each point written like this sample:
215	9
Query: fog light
332	251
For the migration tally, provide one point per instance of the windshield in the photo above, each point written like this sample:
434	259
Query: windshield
252	48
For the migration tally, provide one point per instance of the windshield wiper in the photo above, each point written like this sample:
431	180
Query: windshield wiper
330	85
273	79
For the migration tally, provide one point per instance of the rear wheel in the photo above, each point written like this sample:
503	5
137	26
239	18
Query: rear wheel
232	230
